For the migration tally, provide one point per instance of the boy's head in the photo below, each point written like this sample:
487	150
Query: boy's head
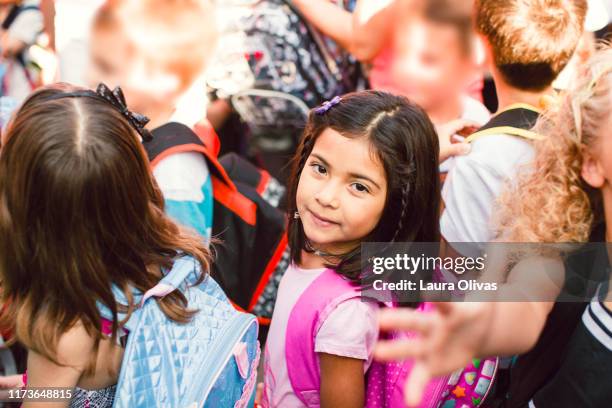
435	52
530	41
154	49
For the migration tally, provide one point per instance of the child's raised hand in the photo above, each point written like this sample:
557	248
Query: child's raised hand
457	149
448	337
451	136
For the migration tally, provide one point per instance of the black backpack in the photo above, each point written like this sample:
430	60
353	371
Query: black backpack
252	230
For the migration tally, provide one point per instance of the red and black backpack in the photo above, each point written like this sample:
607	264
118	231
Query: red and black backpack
253	251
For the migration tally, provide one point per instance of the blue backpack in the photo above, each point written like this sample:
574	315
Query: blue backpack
209	362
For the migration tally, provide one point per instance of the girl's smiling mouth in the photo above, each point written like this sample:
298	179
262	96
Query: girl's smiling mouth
320	221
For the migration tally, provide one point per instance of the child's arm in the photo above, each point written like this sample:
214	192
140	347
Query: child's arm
330	19
363	33
342	381
456	332
74	351
343	343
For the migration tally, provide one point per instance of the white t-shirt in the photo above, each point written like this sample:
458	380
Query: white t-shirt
184	178
26	27
351	330
474	110
476	181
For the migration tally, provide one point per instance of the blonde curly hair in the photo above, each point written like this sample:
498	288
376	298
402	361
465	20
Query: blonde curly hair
550	202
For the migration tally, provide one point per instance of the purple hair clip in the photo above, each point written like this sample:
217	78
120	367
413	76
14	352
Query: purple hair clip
327	105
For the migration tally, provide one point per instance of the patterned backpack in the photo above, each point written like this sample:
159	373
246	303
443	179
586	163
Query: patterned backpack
210	361
294	69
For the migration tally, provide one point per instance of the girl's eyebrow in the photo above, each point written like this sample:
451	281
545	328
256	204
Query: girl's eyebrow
362	177
351	175
318	157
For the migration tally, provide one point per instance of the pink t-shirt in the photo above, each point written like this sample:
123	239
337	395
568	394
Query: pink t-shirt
351	330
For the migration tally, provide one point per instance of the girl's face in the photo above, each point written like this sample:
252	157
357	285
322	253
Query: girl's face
432	63
341	192
125	66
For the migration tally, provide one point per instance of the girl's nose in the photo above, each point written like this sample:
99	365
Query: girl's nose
327	196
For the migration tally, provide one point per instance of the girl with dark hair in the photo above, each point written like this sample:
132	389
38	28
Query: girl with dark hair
80	217
366	170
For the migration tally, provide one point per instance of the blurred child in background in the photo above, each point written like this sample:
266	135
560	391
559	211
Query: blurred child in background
527	44
157	51
22	22
436	61
422	49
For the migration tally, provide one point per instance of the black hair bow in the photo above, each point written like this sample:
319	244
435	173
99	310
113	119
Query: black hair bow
117	99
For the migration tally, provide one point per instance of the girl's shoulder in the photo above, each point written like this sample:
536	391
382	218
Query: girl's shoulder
353	311
75	346
350	329
346	313
72	356
319	293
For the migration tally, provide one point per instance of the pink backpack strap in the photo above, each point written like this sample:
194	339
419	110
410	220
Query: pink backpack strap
323	295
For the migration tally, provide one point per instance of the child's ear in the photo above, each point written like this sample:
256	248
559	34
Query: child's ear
592	171
480	51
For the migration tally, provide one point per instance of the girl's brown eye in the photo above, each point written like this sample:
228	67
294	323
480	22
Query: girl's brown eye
318	168
360	188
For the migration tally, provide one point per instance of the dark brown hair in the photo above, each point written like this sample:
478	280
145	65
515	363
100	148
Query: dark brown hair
80	212
405	141
531	40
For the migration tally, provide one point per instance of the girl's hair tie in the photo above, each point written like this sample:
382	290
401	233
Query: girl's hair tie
327	105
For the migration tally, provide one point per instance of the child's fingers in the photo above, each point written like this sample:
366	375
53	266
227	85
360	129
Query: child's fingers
456	149
457	139
415	385
389	350
454	126
404	319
